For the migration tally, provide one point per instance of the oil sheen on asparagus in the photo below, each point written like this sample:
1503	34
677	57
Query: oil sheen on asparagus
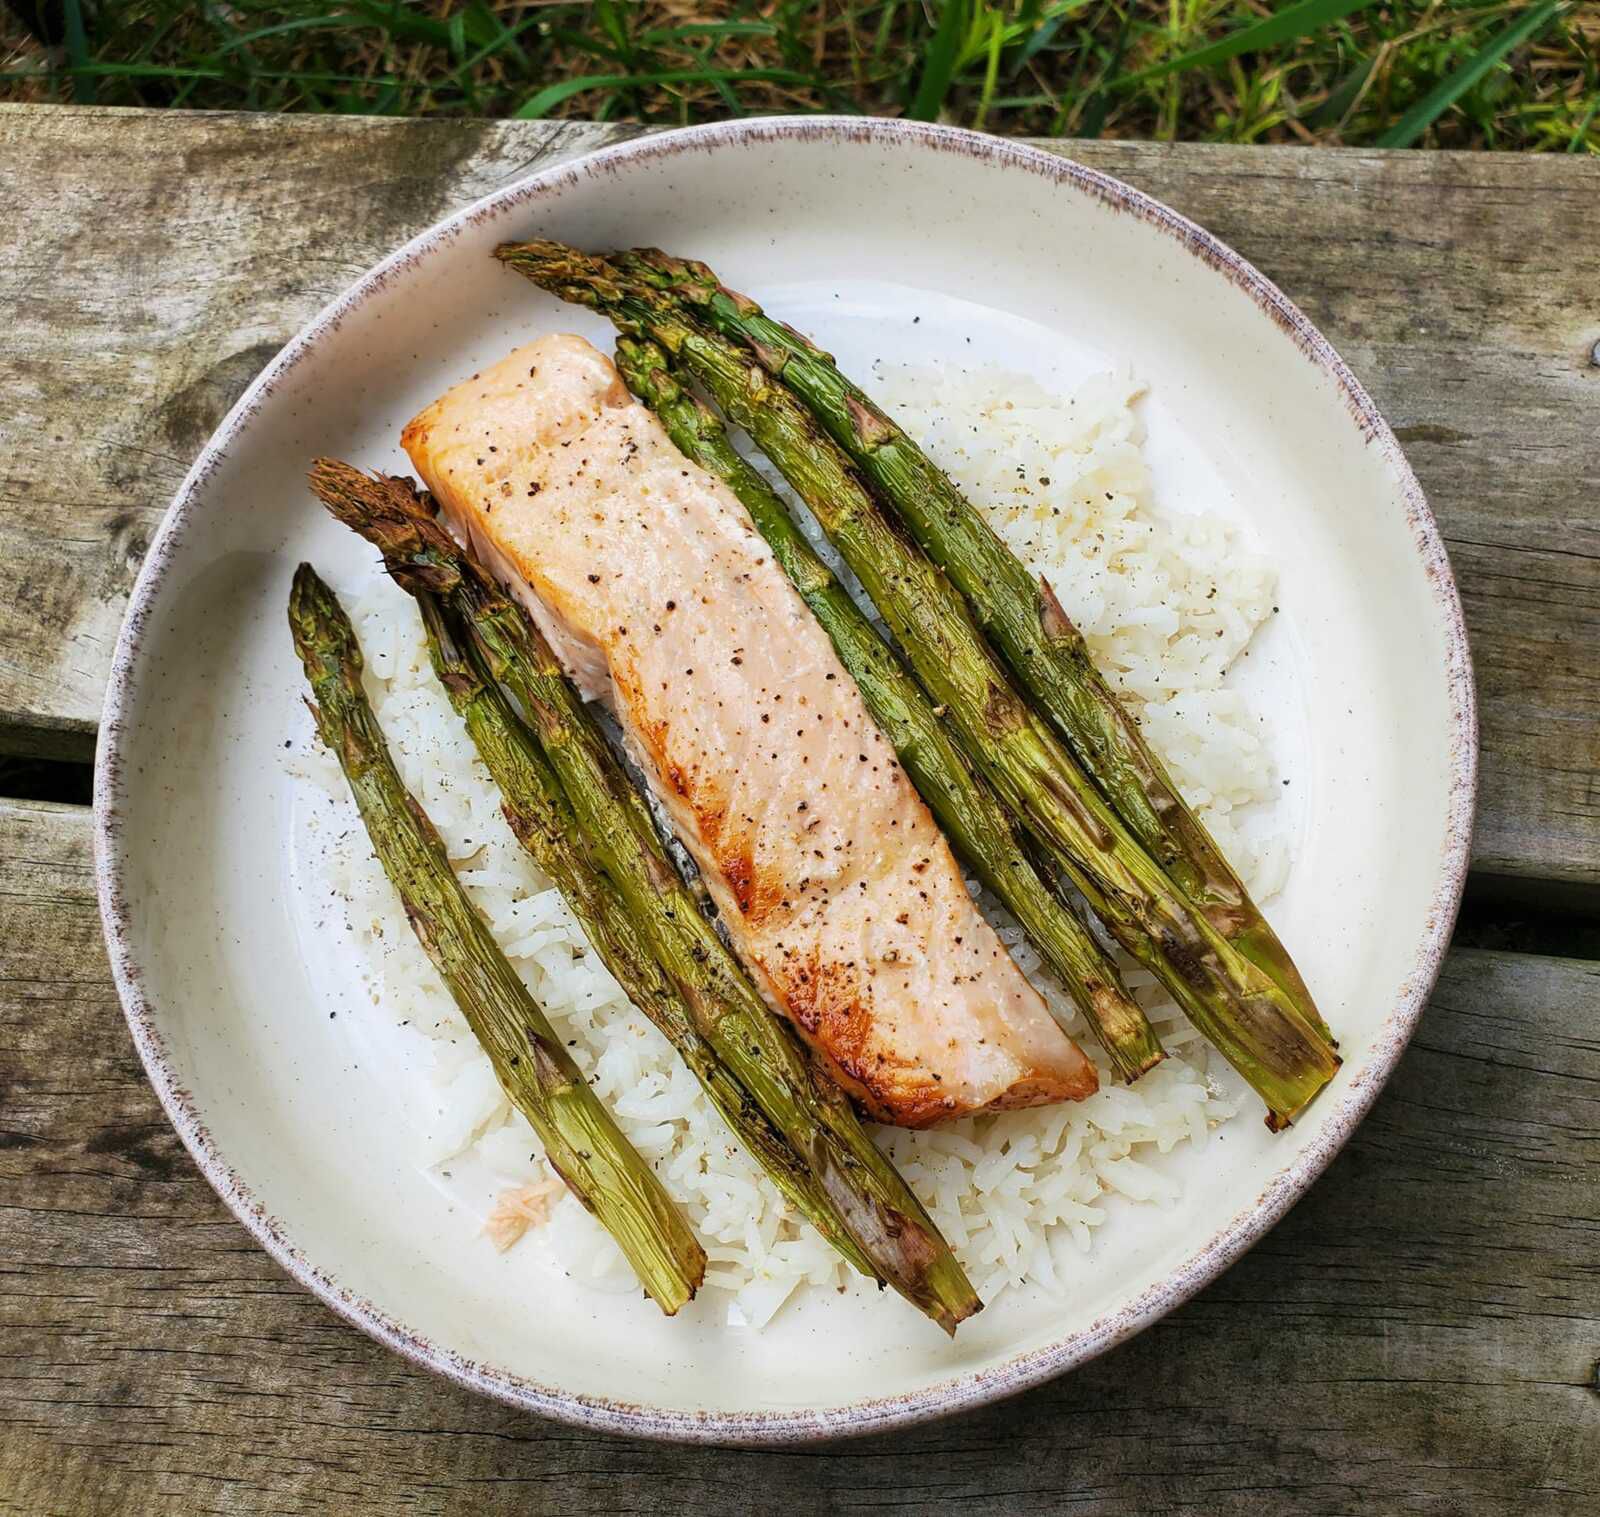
1019	615
878	1210
581	1142
832	881
1245	1013
384	509
965	806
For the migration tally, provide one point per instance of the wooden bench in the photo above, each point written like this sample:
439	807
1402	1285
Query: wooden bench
1422	1333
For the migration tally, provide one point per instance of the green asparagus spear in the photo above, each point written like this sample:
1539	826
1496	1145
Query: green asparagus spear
878	1210
581	1142
539	815
1241	1009
1019	616
965	806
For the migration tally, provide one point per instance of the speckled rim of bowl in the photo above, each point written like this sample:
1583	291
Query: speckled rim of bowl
1334	1124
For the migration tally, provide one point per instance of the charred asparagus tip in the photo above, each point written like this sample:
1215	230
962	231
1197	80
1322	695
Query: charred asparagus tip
582	1143
1251	1019
881	1218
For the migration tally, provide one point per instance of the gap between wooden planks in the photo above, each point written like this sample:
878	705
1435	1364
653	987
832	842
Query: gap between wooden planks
159	259
1419	1335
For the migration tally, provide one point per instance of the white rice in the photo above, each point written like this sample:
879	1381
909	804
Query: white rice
1166	602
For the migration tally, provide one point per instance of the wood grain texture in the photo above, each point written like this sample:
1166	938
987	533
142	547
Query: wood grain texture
157	263
1421	1335
162	259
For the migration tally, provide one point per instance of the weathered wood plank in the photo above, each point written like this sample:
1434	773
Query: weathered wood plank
157	264
161	260
1421	1334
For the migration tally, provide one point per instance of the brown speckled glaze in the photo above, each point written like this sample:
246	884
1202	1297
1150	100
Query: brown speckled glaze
1332	1121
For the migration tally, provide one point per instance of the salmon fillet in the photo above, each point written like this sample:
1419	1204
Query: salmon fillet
837	887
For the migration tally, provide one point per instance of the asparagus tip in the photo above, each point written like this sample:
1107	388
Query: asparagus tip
396	517
320	629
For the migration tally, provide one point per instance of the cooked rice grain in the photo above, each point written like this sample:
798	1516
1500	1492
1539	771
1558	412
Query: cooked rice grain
1167	604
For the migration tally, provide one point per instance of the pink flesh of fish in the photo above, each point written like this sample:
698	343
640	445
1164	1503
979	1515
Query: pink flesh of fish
837	887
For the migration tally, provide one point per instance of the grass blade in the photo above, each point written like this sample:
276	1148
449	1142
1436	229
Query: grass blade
172	71
77	44
1042	36
1341	97
1453	86
1578	136
939	63
395	20
507	39
552	95
487	32
1296	21
691	30
613	24
298	24
991	74
1097	105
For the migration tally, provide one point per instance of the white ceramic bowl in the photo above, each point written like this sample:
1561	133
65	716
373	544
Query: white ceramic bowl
850	228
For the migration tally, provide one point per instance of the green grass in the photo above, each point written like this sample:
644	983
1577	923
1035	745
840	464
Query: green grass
1521	74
